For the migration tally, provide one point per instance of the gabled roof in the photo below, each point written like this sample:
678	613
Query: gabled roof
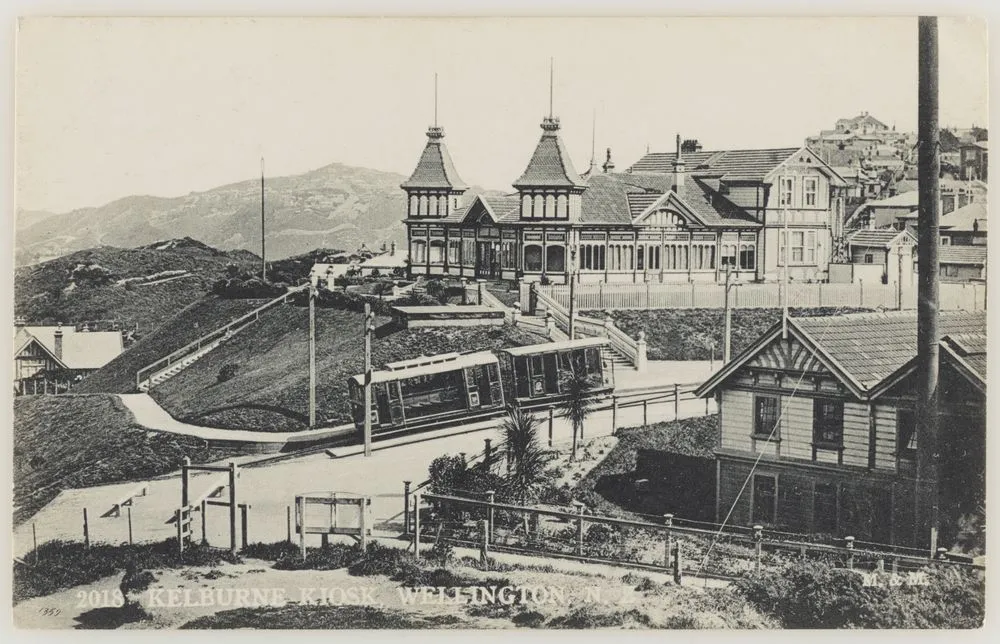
862	349
968	352
880	238
968	218
731	165
965	255
435	169
80	349
550	164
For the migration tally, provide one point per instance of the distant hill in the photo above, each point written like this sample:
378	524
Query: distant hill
133	286
334	206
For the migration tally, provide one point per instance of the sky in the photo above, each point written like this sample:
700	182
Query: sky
107	108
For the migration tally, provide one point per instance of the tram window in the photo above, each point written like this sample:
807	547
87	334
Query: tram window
593	361
536	365
565	363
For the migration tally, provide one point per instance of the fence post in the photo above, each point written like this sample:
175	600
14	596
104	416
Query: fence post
677	401
179	515
880	564
614	414
300	523
490	494
465	290
692	293
645	407
365	502
640	352
677	563
861	293
579	528
894	565
819	290
515	315
406	507
233	508
288	522
244	510
416	525
668	520
758	538
129	512
34	540
850	552
488	452
550	325
484	542
552	410
86	530
204	529
649	302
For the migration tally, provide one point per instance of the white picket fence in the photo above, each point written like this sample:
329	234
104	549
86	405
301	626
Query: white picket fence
967	296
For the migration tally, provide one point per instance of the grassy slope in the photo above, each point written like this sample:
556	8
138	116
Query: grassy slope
42	294
194	321
74	441
686	334
270	388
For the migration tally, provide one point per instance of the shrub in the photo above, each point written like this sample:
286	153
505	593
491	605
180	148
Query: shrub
816	595
227	372
331	557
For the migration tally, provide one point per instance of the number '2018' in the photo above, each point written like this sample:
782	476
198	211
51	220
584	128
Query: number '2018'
100	599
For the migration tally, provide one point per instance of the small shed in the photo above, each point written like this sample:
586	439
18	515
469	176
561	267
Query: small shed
886	248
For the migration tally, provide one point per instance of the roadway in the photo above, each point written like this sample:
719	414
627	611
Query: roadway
270	489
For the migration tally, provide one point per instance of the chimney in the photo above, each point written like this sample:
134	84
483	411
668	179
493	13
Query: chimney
609	165
19	322
59	342
678	168
392	249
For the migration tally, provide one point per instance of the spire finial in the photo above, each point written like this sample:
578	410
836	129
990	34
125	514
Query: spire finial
678	145
435	99
593	137
551	83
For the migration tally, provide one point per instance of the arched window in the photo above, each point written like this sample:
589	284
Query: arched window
550	206
422	208
539	206
437	206
533	258
413	205
437	251
562	206
526	207
555	259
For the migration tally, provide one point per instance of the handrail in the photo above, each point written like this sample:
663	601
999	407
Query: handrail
186	350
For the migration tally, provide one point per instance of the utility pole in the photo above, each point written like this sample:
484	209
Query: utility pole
369	328
929	216
572	291
784	280
312	352
263	254
728	320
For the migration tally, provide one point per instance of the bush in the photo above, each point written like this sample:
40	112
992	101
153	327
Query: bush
227	372
816	595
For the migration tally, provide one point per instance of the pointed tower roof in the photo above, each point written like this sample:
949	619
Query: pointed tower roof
435	168
550	165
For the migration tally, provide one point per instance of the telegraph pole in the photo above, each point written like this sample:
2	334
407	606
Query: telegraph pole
312	353
784	281
929	215
572	290
728	318
369	328
263	255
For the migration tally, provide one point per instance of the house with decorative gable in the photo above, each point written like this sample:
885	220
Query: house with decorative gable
671	217
817	427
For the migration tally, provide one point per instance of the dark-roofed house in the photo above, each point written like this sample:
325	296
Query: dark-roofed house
886	254
817	431
677	217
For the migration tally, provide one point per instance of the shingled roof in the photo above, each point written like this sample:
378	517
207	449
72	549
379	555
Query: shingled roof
435	169
863	349
729	164
879	238
550	165
966	255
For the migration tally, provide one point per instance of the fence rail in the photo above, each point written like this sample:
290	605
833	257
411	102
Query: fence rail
967	296
620	341
648	541
152	369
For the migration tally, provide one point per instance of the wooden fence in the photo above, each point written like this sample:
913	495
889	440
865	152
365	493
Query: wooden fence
967	296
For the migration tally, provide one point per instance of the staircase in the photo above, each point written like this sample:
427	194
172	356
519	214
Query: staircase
618	361
171	365
175	368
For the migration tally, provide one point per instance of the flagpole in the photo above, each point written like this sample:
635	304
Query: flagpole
263	255
784	286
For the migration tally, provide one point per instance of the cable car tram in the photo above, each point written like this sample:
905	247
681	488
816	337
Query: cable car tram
429	390
535	373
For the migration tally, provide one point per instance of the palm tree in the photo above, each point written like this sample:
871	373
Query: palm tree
579	402
526	459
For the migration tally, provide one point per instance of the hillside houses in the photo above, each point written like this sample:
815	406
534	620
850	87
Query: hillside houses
819	427
44	354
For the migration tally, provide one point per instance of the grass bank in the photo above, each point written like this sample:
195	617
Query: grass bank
690	334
